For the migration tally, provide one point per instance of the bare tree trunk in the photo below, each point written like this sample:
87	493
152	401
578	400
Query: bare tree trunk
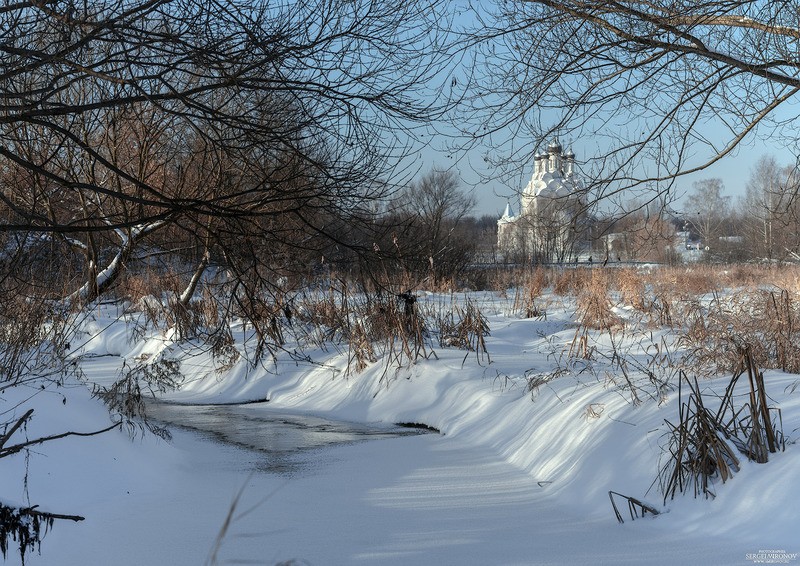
188	292
100	282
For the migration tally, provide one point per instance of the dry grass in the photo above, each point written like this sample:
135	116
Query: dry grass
763	320
380	319
636	508
632	288
593	300
567	282
755	428
371	326
34	340
502	279
700	280
465	328
703	444
527	299
697	453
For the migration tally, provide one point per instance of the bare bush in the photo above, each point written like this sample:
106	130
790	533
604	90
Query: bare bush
35	338
125	398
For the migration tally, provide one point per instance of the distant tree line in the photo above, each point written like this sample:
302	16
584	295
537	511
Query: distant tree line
762	225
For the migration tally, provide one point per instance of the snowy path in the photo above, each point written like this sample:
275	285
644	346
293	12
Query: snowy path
413	500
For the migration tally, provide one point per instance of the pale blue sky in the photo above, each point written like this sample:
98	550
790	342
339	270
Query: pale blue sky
734	170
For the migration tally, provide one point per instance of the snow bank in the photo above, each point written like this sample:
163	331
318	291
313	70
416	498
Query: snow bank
571	439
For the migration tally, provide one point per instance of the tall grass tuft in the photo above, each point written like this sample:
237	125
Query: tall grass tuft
528	294
703	444
465	328
594	305
697	453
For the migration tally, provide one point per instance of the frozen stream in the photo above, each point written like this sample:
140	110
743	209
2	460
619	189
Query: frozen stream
331	498
287	440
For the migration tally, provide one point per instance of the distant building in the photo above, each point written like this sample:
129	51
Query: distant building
551	225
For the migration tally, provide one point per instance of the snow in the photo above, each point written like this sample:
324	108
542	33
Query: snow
515	477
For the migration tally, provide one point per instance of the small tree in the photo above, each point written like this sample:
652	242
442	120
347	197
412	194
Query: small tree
769	211
708	211
433	211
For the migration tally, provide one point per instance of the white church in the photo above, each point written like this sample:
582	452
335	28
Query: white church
551	226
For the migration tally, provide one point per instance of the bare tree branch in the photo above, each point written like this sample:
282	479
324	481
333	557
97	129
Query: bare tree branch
662	88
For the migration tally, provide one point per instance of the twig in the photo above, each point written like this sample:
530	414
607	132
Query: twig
22	445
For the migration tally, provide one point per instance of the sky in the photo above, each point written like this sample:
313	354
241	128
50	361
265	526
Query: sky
492	191
492	195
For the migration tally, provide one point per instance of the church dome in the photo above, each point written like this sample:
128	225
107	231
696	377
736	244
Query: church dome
554	147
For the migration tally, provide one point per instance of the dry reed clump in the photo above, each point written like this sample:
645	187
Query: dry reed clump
464	328
133	286
568	281
370	325
651	293
786	277
528	294
443	285
665	304
594	305
327	311
399	329
699	280
632	288
155	294
751	275
674	294
501	280
702	446
34	339
764	321
361	352
741	275
697	453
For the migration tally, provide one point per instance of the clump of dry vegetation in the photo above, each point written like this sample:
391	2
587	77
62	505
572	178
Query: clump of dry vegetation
369	325
465	328
567	281
700	280
703	445
527	299
632	288
763	320
594	303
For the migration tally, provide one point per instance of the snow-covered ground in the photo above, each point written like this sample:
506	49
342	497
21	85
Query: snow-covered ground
515	477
